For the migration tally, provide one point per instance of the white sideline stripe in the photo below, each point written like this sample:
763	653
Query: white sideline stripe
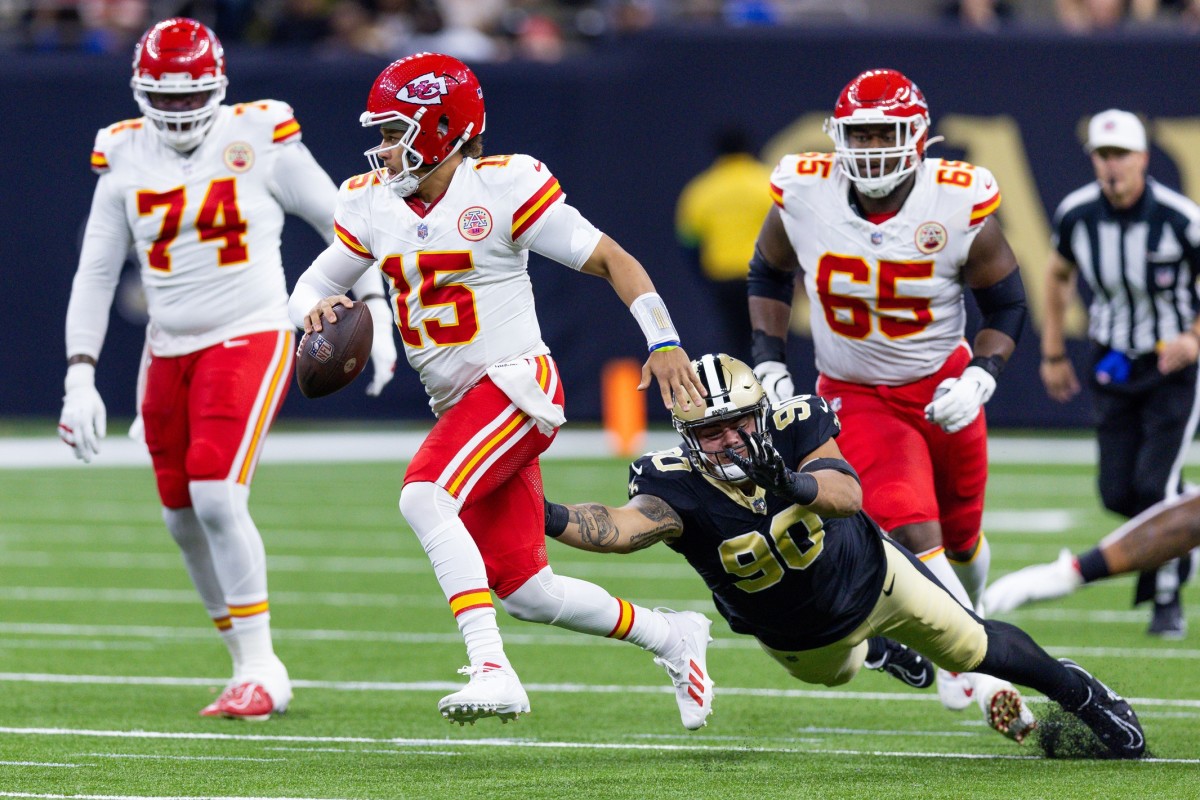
549	688
174	758
552	636
138	797
392	446
39	764
513	743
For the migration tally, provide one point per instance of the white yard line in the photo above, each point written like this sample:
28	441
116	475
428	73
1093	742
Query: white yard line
548	688
392	446
472	743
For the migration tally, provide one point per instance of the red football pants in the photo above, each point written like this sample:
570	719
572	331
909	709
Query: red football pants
911	470
484	451
207	413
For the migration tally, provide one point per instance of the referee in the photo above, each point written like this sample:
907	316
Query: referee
1137	245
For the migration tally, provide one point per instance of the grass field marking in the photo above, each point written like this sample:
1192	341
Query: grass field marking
1042	520
491	742
143	797
40	764
173	758
549	688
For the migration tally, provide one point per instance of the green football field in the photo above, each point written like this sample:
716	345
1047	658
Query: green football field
106	655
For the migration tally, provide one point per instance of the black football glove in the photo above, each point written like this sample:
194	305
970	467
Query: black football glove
763	465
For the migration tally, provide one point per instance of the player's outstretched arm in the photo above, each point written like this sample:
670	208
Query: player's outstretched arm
640	523
770	287
668	362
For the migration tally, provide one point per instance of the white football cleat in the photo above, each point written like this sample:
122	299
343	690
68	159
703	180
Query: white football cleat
685	662
1004	709
956	690
493	691
1040	582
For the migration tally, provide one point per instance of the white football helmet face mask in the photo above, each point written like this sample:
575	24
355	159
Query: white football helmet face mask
182	130
733	392
405	181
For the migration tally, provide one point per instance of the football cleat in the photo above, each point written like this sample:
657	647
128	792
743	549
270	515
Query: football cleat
1109	716
1040	582
1004	709
248	701
904	664
956	690
687	667
492	691
1167	620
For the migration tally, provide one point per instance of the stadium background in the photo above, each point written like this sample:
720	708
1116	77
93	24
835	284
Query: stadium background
623	128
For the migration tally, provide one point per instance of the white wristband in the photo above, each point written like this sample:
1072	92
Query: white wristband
651	314
80	374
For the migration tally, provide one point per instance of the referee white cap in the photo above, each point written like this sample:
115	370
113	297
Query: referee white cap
1116	128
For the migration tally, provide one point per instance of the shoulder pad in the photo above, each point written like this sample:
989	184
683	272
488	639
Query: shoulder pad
975	185
111	139
275	113
361	181
534	190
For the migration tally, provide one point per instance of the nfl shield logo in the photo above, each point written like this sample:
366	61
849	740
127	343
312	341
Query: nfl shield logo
320	348
876	238
759	505
422	231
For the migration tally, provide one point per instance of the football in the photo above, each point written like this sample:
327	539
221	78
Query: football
329	359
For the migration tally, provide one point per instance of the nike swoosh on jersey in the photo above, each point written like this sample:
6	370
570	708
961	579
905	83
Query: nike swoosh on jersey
888	591
636	469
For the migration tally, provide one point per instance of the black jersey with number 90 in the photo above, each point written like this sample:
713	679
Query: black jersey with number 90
777	570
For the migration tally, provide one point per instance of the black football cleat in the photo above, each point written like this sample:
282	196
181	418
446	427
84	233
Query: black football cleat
1109	716
899	661
1167	621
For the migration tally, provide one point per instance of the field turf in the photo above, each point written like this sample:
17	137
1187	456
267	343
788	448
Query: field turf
106	655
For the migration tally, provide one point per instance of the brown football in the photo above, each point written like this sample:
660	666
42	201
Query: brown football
329	359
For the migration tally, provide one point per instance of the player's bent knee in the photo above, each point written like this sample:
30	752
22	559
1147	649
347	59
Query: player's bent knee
427	505
533	600
206	462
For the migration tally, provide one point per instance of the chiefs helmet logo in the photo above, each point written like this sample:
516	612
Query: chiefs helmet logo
425	90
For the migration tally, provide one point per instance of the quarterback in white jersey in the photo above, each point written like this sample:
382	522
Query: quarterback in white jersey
199	191
889	241
452	230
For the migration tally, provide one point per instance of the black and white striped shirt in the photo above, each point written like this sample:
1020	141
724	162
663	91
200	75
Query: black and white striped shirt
1141	263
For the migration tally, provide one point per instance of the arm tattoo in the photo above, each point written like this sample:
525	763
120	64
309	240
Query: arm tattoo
596	526
666	522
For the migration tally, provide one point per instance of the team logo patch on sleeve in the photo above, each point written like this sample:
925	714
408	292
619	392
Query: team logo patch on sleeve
239	156
475	223
930	237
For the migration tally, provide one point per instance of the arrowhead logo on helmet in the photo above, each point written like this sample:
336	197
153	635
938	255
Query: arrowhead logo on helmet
428	89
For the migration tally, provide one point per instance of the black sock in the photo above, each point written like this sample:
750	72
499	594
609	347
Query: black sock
875	650
1014	656
1092	566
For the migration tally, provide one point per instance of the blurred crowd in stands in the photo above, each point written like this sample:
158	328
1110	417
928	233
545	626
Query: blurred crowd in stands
535	30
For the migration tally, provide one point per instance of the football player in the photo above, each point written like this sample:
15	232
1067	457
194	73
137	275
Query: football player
1169	529
888	242
761	503
452	229
199	190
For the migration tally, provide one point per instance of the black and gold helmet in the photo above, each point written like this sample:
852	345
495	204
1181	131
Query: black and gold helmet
733	392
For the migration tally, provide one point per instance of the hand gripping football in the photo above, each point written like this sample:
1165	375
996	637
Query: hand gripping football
329	359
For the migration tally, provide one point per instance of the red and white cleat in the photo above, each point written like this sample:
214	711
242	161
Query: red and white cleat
248	701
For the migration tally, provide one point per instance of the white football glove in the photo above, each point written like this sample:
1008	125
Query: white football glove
383	345
83	422
957	401
776	380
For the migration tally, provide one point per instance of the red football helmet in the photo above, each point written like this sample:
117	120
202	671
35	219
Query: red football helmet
179	56
436	101
880	96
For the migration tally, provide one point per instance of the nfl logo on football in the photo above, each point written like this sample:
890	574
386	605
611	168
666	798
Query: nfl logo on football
320	348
